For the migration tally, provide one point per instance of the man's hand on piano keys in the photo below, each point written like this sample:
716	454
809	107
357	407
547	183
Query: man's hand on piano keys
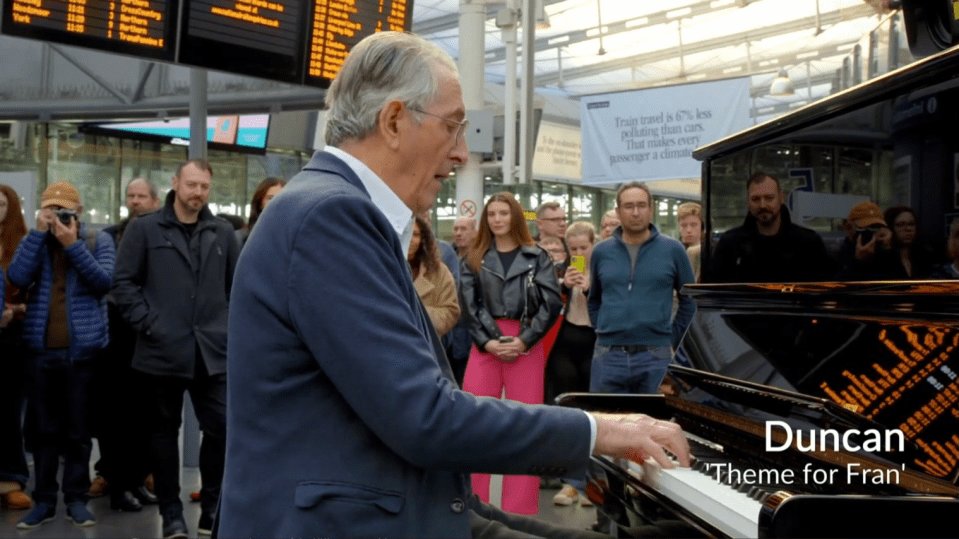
637	437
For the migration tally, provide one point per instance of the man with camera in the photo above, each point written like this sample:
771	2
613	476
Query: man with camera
769	247
866	253
66	269
172	284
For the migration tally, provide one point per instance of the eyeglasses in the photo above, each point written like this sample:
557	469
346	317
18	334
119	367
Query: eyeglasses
553	219
460	126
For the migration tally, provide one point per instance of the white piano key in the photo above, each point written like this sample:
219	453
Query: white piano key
734	513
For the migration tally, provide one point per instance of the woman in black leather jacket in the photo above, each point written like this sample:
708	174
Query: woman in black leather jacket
509	289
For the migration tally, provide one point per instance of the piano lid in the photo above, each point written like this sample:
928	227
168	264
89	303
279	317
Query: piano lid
886	352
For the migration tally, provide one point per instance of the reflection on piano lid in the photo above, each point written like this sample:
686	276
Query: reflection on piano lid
843	357
885	352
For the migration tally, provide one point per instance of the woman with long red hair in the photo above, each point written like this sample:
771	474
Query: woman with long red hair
13	464
508	286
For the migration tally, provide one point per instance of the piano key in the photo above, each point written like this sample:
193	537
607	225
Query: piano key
732	512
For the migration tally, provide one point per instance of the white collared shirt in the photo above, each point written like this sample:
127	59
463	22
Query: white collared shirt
396	212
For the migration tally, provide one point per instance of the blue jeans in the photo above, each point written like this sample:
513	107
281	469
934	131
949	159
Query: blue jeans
617	371
61	387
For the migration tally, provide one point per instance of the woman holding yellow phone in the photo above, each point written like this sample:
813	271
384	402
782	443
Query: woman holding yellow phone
569	362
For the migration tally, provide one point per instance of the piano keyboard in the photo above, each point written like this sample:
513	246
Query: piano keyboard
732	512
732	509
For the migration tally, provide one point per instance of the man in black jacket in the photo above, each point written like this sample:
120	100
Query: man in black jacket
173	286
118	427
769	247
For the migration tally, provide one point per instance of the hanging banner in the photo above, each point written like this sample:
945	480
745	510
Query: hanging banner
650	134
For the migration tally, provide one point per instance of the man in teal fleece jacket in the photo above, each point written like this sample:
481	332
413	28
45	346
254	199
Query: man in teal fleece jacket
633	275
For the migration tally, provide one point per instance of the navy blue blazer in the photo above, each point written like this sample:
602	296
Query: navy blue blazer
342	418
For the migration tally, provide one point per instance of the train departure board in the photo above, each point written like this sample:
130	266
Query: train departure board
137	27
297	41
294	41
337	25
261	38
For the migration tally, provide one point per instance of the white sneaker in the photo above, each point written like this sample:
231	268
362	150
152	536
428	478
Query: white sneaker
585	501
566	496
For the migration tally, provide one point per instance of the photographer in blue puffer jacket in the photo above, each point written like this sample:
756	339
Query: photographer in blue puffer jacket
67	271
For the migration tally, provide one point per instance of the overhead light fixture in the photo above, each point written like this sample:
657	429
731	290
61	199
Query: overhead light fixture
782	85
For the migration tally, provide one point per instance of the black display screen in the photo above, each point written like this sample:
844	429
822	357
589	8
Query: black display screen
293	41
337	25
251	37
145	28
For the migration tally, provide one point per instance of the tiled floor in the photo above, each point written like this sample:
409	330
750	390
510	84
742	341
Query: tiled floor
147	522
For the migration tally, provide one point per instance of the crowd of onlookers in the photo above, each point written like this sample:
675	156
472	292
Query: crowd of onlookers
878	246
102	332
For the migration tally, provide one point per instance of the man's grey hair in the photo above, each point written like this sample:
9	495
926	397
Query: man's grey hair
384	67
151	187
551	205
633	185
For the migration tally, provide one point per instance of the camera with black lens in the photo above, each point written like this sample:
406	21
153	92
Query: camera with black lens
65	215
867	233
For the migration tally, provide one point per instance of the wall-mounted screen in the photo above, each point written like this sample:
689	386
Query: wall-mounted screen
246	133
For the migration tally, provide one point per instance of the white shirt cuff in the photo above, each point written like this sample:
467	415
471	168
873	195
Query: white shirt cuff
592	432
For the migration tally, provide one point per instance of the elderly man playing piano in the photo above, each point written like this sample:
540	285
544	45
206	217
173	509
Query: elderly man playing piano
343	418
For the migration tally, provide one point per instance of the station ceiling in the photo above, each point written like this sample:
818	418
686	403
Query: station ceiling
599	46
591	46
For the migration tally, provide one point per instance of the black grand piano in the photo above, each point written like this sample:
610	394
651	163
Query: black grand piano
857	358
779	363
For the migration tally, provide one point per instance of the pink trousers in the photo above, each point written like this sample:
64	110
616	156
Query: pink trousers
523	379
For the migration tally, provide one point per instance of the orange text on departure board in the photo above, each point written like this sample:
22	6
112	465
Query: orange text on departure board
337	24
134	27
23	10
126	20
251	11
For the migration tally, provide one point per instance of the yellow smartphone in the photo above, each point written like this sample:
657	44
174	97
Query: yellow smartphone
578	262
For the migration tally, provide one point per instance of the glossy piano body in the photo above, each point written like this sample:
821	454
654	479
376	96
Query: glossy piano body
844	357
